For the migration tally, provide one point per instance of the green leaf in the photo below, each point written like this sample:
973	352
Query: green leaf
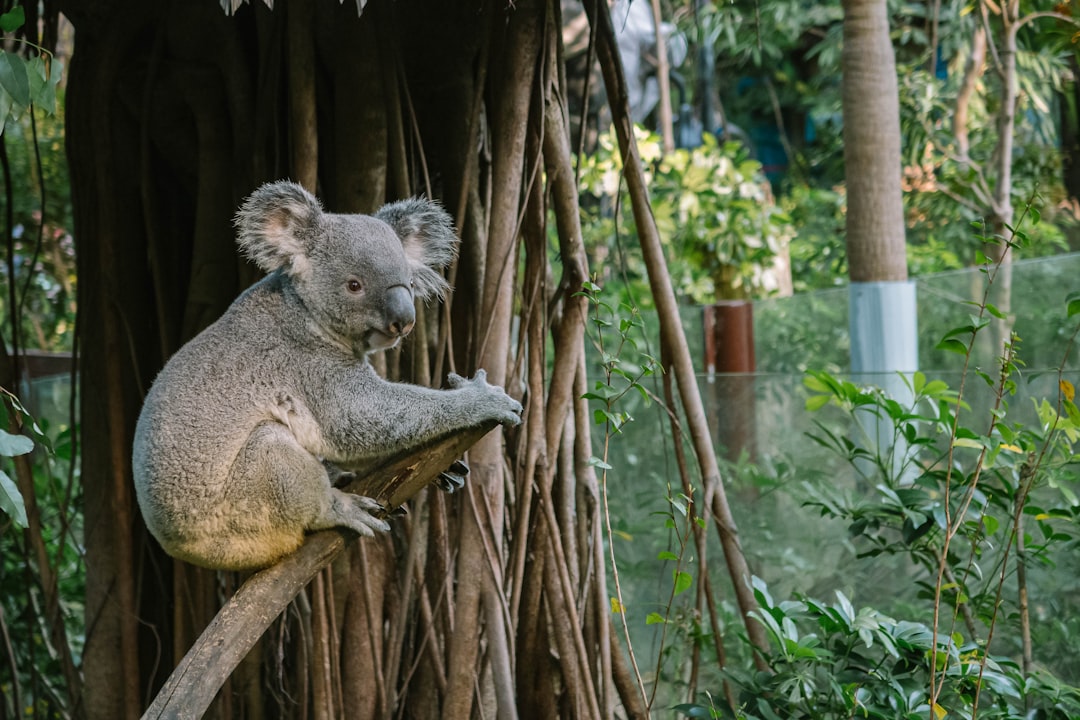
815	382
1073	304
37	75
11	500
761	591
654	618
12	445
953	345
643	392
935	388
44	77
959	330
683	580
598	463
816	402
845	607
667	555
791	632
918	381
602	392
13	19
995	312
14	79
1072	411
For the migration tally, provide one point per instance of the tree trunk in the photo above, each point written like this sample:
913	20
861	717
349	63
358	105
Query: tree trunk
881	302
875	212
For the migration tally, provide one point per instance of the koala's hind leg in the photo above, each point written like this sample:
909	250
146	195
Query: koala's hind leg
289	491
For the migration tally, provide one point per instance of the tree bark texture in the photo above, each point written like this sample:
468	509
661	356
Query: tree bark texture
490	602
871	106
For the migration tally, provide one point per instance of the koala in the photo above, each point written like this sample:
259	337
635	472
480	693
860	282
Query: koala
244	430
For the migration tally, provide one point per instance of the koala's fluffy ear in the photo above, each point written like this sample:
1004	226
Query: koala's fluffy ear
275	225
427	234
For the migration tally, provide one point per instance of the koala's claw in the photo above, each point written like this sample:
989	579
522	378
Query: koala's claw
449	484
453	478
369	504
397	512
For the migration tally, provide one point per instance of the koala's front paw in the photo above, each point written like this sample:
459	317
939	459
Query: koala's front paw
492	402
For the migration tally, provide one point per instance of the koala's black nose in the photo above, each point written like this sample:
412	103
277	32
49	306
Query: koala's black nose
400	313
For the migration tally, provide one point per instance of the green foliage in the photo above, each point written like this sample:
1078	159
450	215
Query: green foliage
936	477
717	211
970	495
41	615
43	253
713	209
44	249
11	500
777	56
623	364
833	661
675	625
778	73
25	83
818	252
958	486
939	478
33	671
949	185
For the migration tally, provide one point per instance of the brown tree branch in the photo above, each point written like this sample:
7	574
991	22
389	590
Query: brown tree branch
973	70
241	622
663	81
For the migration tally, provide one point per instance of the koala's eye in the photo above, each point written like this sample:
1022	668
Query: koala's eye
354	286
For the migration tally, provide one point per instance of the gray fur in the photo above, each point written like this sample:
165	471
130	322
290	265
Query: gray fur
232	445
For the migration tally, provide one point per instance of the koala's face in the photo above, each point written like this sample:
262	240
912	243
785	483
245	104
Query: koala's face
360	285
357	275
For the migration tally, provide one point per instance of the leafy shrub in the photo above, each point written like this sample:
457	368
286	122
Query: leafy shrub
833	661
714	211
